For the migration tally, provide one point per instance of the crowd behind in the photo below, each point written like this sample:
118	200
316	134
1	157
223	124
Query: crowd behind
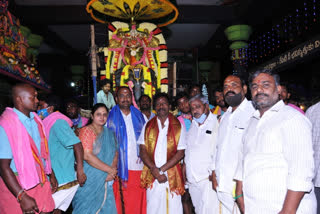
162	155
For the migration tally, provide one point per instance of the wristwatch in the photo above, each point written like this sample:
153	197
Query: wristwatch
161	172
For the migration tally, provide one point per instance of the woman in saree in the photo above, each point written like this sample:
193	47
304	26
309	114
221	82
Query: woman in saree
100	166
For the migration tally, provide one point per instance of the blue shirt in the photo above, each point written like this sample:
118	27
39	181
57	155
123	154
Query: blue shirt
108	101
187	122
61	141
32	128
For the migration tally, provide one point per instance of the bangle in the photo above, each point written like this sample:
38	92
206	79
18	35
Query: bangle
239	196
160	171
20	194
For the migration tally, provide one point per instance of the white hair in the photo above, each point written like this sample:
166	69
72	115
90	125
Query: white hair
200	97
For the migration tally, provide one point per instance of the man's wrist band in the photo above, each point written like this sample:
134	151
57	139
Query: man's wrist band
160	171
20	194
239	196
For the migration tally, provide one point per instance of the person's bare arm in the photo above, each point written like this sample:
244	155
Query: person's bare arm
53	182
78	153
214	180
184	173
115	161
27	203
173	161
95	162
113	165
291	202
150	164
239	196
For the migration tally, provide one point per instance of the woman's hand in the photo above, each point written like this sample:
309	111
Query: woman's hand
113	172
109	178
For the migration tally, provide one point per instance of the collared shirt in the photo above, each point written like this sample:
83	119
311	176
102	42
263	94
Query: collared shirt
134	162
187	120
313	114
296	108
145	117
61	141
201	149
108	101
277	156
231	129
32	128
160	154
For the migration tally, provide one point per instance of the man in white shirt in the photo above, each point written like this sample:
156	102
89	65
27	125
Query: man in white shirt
127	122
145	107
200	156
232	125
162	145
277	164
313	114
104	95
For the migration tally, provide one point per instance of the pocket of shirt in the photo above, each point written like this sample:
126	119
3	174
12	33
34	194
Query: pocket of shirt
239	129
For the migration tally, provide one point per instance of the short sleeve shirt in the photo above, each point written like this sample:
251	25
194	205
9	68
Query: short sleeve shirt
160	155
87	137
32	128
61	141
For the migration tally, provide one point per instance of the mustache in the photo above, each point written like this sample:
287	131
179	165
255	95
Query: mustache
230	92
196	115
261	94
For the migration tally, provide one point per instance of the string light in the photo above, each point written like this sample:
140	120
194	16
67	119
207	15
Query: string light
272	42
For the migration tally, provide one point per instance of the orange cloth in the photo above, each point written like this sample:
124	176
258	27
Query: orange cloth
134	196
176	183
87	138
42	195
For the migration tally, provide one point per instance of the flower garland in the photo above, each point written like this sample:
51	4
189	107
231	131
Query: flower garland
153	57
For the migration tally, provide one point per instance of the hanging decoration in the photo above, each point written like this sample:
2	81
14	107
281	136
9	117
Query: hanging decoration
160	12
19	49
239	34
137	53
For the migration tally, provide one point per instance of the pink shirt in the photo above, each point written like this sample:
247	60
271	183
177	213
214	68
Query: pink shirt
296	108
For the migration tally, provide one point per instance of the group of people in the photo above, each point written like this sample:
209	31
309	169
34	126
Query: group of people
239	156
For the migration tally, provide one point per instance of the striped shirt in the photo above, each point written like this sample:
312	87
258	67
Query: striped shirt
313	114
231	129
277	157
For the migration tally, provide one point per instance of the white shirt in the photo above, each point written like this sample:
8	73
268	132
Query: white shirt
134	162
313	114
160	154
201	149
231	128
277	156
145	117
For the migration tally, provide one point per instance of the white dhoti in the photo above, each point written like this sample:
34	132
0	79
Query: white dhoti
161	201
228	205
63	198
204	198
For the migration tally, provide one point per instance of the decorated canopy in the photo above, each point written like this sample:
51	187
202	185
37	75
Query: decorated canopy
19	49
160	12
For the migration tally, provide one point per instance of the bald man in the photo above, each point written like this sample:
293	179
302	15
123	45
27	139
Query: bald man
24	157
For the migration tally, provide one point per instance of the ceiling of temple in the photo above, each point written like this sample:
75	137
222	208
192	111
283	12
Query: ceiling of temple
200	24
